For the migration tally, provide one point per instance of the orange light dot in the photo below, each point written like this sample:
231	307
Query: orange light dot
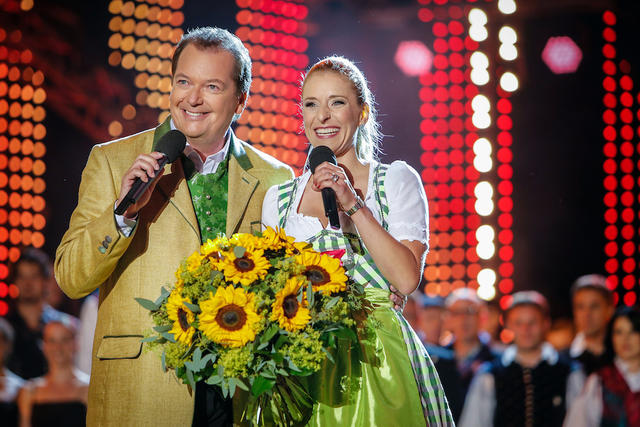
26	56
177	18
15	182
39	149
140	46
163	116
26	185
154	65
38	113
128	25
141	28
115	24
39	131
115	58
254	135
141	97
39	185
26	129
115	40
38	78
39	167
14	74
154	12
164	17
38	204
165	50
27	74
4	234
153	99
27	111
115	6
141	11
128	112
164	102
27	201
15	236
13	289
37	239
26	5
14	91
39	96
165	68
4	198
27	93
176	4
128	61
165	85
14	254
15	109
153	30
26	219
176	35
127	44
26	237
115	128
38	222
27	165
165	33
242	131
14	164
3	180
127	8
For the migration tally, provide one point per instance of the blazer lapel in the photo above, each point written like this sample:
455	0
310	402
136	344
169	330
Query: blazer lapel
173	184
241	185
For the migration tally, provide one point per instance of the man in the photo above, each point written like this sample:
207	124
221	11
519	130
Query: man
531	382
10	383
216	186
593	307
463	316
29	314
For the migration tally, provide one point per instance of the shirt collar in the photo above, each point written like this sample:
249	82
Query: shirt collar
578	345
632	378
210	164
548	354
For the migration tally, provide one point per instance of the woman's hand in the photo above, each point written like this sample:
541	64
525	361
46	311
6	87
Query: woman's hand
334	177
398	299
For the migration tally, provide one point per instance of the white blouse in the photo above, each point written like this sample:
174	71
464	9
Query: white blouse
408	216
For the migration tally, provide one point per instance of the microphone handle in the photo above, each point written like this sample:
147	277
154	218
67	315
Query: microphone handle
137	189
330	207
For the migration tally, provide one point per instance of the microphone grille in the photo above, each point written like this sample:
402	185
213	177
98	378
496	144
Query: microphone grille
321	154
172	144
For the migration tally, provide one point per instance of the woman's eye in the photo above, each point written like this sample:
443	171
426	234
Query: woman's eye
338	102
309	104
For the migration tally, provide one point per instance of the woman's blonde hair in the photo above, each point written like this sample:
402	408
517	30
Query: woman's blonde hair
368	135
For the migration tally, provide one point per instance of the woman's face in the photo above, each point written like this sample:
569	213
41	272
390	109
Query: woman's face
330	111
626	341
58	344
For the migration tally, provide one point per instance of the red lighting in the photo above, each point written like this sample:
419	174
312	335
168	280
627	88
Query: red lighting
562	55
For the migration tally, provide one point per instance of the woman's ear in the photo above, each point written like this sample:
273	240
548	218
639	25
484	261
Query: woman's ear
364	116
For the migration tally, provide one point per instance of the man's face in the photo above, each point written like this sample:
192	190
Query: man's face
529	327
30	282
591	312
58	344
463	319
204	95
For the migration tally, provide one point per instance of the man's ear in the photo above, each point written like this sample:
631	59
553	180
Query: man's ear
242	100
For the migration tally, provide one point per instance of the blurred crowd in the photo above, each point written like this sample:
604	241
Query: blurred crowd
511	368
520	368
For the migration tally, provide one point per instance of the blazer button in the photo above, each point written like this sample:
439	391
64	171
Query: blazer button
208	228
102	249
208	212
208	196
107	239
105	244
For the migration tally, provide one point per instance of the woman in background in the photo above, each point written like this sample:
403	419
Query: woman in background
611	396
10	383
384	236
59	398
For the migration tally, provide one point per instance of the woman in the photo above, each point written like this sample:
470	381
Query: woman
611	396
384	233
60	397
10	383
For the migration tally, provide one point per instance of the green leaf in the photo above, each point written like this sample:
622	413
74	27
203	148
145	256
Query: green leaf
190	379
168	336
162	328
164	293
269	333
215	274
310	295
346	333
147	304
280	342
232	387
241	384
239	251
152	338
225	389
261	385
329	356
195	308
333	301
278	357
214	380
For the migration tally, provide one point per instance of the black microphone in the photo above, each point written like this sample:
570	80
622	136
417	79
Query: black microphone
321	154
171	145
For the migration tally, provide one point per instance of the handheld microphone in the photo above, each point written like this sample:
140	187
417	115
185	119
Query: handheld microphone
321	154
170	145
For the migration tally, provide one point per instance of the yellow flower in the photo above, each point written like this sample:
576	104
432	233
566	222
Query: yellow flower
194	261
212	249
291	314
275	239
229	318
182	317
245	240
323	271
247	269
179	281
296	248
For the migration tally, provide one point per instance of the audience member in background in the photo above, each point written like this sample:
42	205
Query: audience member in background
86	332
60	397
493	325
410	311
54	296
29	313
464	313
561	334
10	383
611	396
430	313
592	308
530	384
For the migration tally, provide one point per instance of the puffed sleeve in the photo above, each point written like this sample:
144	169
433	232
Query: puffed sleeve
408	210
270	208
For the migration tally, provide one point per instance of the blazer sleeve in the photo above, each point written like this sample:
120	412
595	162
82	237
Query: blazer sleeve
91	247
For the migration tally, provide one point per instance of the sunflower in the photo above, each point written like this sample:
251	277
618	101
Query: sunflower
291	314
245	240
194	261
179	281
296	248
251	266
323	271
275	239
229	318
182	317
212	249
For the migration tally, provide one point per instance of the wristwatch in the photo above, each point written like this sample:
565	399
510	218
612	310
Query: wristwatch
356	207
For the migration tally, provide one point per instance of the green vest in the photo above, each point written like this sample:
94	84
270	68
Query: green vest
209	195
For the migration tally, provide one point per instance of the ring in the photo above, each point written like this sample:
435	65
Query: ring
335	177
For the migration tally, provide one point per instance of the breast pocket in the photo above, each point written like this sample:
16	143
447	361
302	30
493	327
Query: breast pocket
119	347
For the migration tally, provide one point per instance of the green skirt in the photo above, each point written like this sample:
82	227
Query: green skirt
381	390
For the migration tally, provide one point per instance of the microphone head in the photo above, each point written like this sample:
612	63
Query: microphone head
172	144
321	154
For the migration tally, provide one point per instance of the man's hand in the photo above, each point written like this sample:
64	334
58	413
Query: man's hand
397	298
144	167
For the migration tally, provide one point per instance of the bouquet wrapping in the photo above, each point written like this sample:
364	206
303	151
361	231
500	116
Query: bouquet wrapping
257	313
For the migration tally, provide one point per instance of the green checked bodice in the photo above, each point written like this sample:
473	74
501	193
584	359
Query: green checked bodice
387	394
209	194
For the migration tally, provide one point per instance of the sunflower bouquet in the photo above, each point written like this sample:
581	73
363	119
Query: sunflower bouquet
257	313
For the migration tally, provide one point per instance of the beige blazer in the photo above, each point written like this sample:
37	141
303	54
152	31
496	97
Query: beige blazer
128	386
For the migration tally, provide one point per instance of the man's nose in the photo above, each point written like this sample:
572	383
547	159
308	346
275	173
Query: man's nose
195	96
